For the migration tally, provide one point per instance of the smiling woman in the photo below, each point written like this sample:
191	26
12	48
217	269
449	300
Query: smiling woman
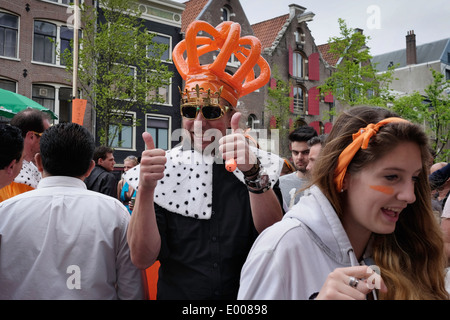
369	206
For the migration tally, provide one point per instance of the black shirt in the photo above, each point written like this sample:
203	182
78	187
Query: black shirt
202	259
102	181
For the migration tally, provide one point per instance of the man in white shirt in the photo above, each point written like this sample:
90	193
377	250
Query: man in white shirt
11	147
62	241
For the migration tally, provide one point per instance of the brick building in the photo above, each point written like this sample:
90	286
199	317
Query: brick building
33	31
288	46
29	64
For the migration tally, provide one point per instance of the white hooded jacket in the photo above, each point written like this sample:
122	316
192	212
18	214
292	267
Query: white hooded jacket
292	259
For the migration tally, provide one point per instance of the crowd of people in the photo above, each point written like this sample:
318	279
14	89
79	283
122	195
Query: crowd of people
352	220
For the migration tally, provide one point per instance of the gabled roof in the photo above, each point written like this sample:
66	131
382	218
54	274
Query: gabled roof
267	31
191	12
428	52
330	58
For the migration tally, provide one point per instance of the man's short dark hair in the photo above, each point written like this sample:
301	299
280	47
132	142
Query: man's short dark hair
101	152
11	145
302	134
67	150
317	139
30	120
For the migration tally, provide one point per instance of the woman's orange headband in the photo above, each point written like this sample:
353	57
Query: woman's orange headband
360	141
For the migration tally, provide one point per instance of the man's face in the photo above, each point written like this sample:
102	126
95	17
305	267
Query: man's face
203	132
108	163
35	146
300	153
313	155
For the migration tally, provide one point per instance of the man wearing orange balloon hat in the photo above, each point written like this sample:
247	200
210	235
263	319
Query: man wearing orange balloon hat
195	215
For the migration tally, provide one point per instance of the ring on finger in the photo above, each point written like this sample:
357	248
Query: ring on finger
353	282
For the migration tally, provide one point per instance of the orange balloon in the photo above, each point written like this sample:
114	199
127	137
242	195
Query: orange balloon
225	39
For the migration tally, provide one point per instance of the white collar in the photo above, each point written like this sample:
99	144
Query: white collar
29	174
186	188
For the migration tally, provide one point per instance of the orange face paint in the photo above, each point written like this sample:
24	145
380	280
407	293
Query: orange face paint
384	189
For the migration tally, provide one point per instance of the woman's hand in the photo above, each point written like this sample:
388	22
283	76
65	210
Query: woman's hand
351	283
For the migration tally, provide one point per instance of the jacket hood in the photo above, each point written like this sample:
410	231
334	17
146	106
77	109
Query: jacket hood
317	214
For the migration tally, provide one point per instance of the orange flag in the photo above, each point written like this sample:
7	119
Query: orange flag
78	109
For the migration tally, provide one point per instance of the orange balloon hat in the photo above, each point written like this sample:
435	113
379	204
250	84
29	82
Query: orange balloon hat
211	77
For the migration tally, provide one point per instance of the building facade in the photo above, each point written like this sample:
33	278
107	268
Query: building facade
289	48
413	63
33	31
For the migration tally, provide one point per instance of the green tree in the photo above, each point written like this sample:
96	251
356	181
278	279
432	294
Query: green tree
120	67
433	112
355	80
278	105
411	107
438	115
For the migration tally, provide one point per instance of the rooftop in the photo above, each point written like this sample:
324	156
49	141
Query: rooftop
429	52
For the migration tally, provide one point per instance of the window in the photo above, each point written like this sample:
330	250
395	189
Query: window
123	133
8	85
123	89
9	30
159	127
44	48
161	39
61	1
299	36
299	100
225	14
65	104
164	92
50	38
252	121
44	95
66	35
298	65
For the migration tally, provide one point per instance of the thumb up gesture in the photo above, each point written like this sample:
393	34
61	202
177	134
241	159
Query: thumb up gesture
152	163
235	147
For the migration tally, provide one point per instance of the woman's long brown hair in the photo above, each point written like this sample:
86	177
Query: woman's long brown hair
411	259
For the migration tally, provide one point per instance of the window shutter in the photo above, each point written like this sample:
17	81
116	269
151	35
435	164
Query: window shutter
316	126
273	83
329	98
313	101
290	61
273	122
313	67
327	128
291	95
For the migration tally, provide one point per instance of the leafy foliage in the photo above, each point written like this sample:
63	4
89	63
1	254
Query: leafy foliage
120	67
355	80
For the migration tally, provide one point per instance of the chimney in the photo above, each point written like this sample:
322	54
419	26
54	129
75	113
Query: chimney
295	9
411	52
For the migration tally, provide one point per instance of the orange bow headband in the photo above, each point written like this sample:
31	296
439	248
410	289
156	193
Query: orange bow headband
226	38
360	141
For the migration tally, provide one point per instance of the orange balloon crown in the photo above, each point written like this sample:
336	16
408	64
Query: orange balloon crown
225	39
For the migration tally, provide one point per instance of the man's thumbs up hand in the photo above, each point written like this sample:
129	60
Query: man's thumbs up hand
152	163
235	149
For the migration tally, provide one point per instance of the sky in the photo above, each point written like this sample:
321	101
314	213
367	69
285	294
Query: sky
386	22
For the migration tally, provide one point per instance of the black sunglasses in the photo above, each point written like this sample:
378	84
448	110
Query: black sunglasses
208	112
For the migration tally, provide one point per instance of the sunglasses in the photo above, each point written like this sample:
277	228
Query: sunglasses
209	112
